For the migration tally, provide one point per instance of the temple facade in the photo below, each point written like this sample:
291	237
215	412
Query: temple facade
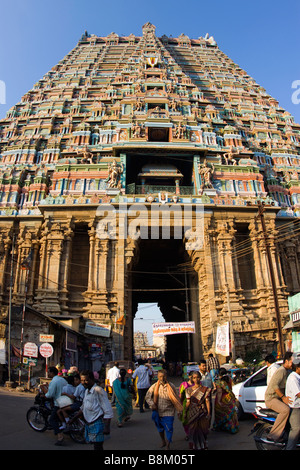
133	171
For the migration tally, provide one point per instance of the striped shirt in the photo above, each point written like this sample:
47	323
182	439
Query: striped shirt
213	363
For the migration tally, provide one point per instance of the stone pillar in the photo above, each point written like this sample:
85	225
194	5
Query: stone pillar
97	295
65	270
259	255
5	255
52	242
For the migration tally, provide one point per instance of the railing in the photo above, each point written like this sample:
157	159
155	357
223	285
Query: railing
150	189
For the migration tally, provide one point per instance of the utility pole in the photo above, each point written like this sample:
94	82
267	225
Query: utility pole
24	266
187	315
272	276
231	331
10	305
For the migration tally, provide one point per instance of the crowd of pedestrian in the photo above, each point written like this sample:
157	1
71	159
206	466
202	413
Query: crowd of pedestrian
204	402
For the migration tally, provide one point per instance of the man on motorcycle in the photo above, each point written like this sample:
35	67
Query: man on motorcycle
292	389
54	391
275	398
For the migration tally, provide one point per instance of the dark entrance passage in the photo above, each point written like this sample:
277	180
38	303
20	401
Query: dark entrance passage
160	277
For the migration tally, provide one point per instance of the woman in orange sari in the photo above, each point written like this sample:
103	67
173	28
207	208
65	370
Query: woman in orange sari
198	412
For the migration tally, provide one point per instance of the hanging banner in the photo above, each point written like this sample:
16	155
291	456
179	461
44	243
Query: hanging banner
222	340
163	329
97	329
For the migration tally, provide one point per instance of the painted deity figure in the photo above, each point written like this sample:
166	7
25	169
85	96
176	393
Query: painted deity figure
206	173
114	173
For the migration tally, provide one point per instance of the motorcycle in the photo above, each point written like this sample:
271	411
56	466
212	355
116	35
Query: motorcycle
38	419
265	420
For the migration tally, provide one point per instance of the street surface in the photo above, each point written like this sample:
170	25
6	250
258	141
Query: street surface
137	434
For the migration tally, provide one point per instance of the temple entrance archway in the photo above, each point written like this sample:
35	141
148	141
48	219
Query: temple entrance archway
162	275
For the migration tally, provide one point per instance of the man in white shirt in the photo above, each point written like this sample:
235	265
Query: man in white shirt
96	410
143	374
292	389
272	366
113	374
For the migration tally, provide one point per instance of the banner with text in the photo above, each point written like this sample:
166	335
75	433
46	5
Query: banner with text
222	340
162	329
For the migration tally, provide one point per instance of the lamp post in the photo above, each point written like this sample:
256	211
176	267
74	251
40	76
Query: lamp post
25	266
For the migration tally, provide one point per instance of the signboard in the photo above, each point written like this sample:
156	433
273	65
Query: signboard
30	350
163	329
71	341
97	329
44	338
29	361
222	340
46	350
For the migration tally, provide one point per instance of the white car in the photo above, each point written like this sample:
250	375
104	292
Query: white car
251	393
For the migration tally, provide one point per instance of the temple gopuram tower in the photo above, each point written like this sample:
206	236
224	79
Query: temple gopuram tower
107	154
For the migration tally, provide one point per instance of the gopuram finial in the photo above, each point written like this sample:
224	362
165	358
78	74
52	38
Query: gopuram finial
148	28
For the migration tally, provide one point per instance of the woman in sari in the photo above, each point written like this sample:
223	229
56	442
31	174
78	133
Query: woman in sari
182	394
198	412
123	394
225	405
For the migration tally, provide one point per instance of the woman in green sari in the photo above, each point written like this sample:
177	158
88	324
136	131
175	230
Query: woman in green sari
182	394
123	393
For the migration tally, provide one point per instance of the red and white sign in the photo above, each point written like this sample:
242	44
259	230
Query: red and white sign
46	338
30	350
46	350
163	329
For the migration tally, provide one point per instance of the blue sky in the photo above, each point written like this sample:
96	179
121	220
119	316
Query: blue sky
262	36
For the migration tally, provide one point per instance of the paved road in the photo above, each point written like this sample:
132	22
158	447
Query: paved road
138	434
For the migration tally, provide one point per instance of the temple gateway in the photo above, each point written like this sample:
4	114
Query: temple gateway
149	169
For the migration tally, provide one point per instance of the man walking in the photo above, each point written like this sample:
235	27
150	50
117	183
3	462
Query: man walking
164	401
292	390
113	374
213	366
96	410
143	374
206	378
276	400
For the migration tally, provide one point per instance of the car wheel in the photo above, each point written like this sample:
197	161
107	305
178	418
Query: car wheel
240	411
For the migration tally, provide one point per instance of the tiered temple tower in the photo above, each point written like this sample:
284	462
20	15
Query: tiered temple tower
136	123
